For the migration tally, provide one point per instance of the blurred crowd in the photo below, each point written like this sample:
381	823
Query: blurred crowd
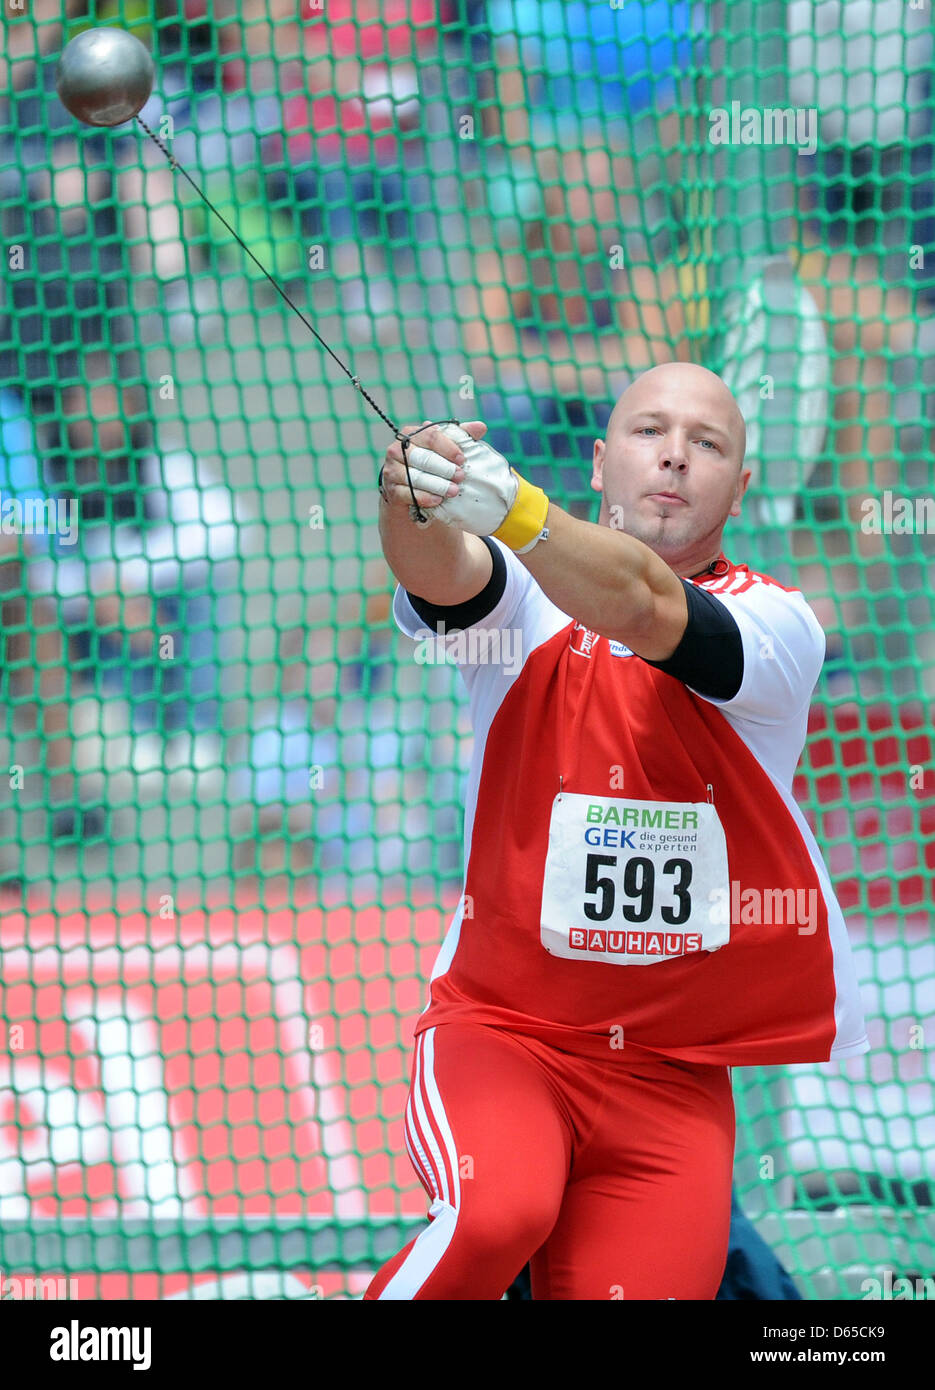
344	128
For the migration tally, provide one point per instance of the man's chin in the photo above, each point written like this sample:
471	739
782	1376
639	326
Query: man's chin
666	537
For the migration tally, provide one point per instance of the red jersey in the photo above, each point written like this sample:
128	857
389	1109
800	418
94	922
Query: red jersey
637	871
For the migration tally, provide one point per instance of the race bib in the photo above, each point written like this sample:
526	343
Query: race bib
634	882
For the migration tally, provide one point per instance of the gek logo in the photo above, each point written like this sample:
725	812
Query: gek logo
583	640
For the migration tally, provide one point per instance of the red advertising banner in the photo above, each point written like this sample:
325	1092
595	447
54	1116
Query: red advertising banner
213	1065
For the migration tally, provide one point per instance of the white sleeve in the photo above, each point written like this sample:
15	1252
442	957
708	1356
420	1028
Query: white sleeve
783	653
518	587
494	647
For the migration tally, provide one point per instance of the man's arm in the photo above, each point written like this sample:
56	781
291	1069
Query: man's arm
440	563
605	579
612	583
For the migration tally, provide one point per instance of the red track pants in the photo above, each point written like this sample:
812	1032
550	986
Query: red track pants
612	1177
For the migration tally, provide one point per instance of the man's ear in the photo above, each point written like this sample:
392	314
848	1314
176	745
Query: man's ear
597	475
742	481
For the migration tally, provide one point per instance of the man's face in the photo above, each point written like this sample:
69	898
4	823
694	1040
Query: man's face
677	430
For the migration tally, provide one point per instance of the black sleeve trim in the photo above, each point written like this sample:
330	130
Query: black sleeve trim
462	615
709	657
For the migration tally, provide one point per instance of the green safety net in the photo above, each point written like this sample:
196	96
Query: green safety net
232	830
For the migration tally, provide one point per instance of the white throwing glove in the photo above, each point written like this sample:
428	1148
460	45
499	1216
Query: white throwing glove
492	500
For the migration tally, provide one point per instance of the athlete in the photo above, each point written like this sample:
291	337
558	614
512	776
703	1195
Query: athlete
644	904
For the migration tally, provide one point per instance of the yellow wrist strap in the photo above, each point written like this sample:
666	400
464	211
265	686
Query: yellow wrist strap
526	518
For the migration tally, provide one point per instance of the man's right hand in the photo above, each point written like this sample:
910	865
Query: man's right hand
430	489
446	566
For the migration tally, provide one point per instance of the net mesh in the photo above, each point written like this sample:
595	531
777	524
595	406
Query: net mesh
231	830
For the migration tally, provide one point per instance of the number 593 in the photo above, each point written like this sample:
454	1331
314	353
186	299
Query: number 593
639	886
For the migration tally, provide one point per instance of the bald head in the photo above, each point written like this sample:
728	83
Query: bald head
670	470
682	380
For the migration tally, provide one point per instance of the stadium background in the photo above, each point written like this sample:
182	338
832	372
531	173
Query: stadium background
232	834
